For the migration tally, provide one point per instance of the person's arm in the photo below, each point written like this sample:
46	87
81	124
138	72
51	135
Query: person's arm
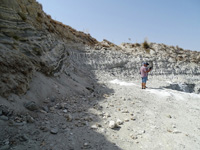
147	70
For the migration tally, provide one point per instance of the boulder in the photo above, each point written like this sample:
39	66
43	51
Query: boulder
31	106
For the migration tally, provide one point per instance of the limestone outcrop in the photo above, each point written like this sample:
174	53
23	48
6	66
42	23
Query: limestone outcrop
31	41
62	89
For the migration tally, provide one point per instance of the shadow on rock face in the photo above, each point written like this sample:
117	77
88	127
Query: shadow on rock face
184	87
47	83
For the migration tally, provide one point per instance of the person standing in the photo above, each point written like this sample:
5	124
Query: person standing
144	73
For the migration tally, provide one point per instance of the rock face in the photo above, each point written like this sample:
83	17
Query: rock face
31	41
166	60
53	79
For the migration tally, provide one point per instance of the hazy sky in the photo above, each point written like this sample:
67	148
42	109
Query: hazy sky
172	22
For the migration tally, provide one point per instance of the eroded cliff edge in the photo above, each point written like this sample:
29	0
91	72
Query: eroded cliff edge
31	41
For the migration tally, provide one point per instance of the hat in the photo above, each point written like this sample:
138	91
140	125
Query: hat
145	63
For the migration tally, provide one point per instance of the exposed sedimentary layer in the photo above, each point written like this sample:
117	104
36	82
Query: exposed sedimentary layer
55	83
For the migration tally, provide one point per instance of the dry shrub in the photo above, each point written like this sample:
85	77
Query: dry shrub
145	45
137	45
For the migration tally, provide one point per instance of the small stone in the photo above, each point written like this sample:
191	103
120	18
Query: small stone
46	101
12	123
4	118
47	122
169	116
5	147
105	95
94	126
119	122
103	130
54	130
18	119
30	119
63	105
6	142
45	108
125	111
53	99
44	129
99	125
31	106
106	115
64	126
4	109
65	110
52	108
126	120
134	137
112	124
85	144
168	130
18	124
133	118
69	117
42	111
141	132
176	132
23	138
58	106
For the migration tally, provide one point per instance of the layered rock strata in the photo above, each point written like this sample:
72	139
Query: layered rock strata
31	41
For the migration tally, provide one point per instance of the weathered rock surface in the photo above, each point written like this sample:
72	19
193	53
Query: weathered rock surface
31	41
31	106
50	67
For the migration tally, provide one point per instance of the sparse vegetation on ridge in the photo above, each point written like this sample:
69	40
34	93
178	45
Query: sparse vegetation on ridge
145	45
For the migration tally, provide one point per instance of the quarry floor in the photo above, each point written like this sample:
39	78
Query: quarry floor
152	119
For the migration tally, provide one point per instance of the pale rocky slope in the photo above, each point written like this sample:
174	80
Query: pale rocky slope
54	79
